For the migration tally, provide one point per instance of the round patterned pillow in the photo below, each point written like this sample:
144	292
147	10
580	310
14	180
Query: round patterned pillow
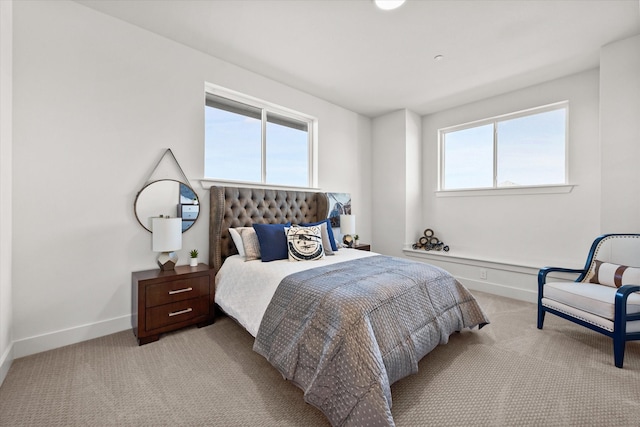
304	243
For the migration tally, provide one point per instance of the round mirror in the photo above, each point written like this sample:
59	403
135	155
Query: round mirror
167	197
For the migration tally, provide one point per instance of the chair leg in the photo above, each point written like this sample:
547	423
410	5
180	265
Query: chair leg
618	351
541	314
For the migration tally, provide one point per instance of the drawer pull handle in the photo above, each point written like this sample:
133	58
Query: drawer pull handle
179	291
175	313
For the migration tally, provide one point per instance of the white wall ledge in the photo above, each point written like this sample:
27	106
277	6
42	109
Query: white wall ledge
507	278
495	264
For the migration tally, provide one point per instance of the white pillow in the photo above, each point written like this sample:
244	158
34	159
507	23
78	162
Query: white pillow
237	240
304	243
614	275
326	243
250	243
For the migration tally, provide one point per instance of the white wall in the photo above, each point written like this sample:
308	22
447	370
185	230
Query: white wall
96	103
509	237
6	64
396	179
498	243
620	134
413	177
527	229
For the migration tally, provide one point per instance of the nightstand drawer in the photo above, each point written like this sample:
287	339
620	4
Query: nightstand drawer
177	290
163	301
176	312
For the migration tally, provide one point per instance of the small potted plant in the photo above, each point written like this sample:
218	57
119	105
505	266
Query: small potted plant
194	257
356	239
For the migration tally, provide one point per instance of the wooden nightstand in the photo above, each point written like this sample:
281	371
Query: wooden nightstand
362	247
164	301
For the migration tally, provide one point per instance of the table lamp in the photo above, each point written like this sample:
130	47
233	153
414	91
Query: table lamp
347	228
166	238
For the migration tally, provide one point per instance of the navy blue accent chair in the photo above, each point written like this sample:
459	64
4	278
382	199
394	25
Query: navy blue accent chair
605	295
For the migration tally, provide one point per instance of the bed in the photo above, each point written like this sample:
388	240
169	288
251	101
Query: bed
342	327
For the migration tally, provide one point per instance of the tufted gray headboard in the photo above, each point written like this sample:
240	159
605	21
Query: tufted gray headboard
242	207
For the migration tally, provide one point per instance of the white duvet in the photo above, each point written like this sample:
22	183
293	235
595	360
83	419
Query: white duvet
244	288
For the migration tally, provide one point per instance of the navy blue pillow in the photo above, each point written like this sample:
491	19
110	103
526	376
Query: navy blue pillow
272	240
334	247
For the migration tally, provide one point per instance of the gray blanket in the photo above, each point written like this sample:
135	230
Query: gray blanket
345	332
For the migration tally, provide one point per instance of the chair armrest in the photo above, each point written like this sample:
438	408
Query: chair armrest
542	274
622	294
625	290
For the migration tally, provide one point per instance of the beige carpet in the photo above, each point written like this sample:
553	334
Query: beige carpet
507	374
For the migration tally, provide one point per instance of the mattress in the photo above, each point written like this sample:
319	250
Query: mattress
245	288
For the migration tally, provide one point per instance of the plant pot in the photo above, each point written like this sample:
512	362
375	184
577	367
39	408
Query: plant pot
194	262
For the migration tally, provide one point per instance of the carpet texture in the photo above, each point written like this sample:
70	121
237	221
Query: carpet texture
507	374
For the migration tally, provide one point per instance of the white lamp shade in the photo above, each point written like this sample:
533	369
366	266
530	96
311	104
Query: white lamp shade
166	234
347	224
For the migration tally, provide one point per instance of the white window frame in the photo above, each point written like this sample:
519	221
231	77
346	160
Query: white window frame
565	187
268	107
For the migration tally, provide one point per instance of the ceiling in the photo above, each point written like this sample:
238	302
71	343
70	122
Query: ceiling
371	61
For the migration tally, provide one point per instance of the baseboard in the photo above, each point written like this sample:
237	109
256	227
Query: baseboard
502	290
5	362
498	277
26	346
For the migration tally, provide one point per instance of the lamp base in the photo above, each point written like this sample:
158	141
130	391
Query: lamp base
167	260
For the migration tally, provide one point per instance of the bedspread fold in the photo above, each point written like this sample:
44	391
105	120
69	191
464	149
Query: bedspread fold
345	332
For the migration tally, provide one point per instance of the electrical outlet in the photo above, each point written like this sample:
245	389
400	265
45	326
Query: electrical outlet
483	273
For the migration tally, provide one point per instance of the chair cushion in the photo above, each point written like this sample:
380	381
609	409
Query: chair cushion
589	297
601	322
614	275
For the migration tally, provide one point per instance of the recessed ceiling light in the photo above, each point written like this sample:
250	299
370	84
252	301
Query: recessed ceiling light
388	4
438	58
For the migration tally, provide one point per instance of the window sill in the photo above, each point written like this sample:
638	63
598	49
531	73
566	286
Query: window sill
208	183
506	191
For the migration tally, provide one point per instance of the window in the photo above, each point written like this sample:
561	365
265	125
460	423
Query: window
247	140
515	150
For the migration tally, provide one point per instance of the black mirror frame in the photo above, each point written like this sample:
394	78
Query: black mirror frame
135	203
